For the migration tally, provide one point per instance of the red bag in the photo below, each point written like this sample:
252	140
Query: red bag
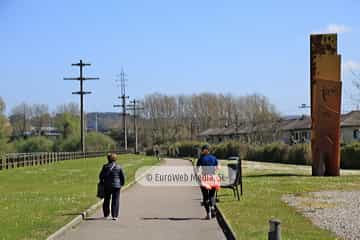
210	182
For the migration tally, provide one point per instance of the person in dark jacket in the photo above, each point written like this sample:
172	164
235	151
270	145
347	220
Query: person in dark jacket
112	176
208	164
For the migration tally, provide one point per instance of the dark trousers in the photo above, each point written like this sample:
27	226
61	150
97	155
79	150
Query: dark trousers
114	195
208	198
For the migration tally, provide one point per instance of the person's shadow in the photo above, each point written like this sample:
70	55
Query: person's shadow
171	218
94	219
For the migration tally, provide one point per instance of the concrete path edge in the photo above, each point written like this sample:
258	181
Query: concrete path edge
223	222
81	217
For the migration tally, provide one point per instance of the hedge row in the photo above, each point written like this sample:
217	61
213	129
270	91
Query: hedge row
350	156
281	153
275	152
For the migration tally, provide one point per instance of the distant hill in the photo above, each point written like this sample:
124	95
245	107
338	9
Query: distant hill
105	120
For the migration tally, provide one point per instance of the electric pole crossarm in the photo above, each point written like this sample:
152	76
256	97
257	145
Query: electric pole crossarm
82	92
81	79
81	64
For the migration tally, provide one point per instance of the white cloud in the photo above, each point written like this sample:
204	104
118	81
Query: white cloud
351	65
335	28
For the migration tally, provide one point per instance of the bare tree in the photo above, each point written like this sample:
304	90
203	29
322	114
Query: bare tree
20	119
172	118
40	117
72	108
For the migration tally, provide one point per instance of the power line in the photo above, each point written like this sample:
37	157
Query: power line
81	65
123	98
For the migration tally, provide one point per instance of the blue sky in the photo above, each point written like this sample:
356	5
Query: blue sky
173	47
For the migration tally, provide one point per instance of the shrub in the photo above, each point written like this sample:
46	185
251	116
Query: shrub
191	149
34	144
149	151
282	153
228	149
350	156
96	142
300	154
70	144
6	147
274	152
184	149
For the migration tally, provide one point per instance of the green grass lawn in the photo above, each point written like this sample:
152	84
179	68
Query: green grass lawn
264	184
36	201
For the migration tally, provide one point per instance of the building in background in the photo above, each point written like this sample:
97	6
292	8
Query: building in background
290	130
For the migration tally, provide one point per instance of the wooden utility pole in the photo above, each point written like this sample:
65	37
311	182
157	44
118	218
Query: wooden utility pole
81	65
135	108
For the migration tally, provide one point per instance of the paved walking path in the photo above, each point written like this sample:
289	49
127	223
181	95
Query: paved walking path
153	213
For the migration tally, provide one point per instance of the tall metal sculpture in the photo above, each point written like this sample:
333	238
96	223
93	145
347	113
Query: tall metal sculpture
325	71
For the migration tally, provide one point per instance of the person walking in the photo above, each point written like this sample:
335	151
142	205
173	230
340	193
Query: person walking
208	165
112	176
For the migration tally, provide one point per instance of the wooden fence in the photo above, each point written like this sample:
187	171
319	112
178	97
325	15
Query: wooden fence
15	160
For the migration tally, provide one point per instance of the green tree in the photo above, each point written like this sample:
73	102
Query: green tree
68	124
5	129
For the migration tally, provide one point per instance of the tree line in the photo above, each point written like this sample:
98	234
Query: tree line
27	129
165	119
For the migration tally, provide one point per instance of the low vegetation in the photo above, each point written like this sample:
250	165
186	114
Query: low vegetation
264	185
36	201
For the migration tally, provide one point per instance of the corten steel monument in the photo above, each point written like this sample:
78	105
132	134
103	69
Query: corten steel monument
325	71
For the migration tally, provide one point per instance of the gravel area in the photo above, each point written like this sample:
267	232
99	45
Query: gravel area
337	211
291	168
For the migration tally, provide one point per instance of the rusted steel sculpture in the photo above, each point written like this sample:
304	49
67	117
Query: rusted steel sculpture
325	71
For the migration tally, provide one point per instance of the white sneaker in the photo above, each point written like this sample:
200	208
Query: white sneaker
115	218
208	215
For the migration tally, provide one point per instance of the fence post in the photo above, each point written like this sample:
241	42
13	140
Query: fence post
275	231
1	161
16	161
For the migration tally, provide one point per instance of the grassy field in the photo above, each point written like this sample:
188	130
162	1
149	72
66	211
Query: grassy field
36	201
264	184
